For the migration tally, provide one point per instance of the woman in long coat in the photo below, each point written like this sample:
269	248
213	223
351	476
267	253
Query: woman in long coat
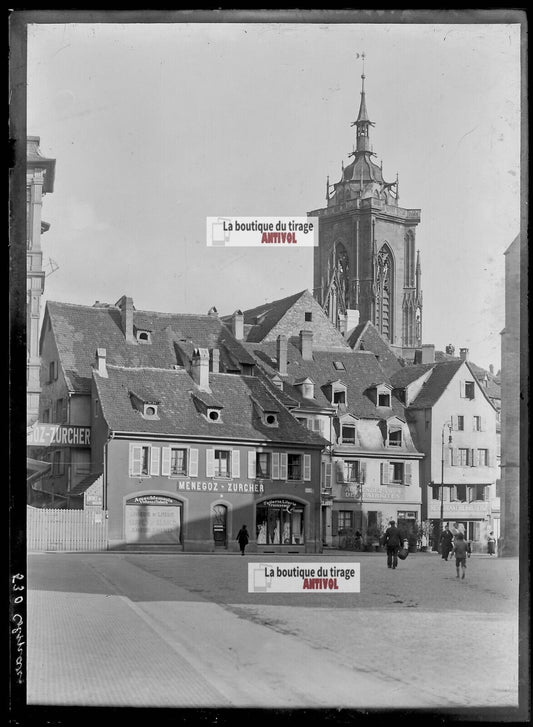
242	537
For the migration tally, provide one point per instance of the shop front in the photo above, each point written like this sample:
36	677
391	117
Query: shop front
280	522
472	519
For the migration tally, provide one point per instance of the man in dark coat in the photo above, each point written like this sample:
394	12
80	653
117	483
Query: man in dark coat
393	540
242	537
446	543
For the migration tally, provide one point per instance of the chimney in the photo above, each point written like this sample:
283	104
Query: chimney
491	369
463	353
215	360
342	323
200	368
281	349
418	356
428	353
351	321
237	325
101	368
450	350
306	345
307	388
212	312
126	318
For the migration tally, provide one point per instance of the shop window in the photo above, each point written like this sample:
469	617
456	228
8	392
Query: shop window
345	521
262	465
222	463
294	466
280	522
348	435
483	457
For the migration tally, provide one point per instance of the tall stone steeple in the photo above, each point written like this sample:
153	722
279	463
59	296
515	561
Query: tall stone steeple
365	258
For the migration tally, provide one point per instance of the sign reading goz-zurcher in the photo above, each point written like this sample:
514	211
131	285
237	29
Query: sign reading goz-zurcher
66	435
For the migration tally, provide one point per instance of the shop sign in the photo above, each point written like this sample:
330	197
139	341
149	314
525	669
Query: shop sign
240	488
461	507
53	435
383	493
152	521
152	500
93	499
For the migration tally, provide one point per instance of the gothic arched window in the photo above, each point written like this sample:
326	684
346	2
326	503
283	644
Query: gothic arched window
384	292
409	259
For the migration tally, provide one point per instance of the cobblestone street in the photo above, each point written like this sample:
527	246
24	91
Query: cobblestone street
182	631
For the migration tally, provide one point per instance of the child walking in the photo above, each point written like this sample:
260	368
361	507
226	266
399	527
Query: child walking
460	550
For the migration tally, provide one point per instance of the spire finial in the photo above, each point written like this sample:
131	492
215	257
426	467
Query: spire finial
327	188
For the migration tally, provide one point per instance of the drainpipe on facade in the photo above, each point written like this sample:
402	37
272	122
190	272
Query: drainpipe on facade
104	484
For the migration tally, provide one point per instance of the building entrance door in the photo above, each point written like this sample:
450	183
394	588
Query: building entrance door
220	517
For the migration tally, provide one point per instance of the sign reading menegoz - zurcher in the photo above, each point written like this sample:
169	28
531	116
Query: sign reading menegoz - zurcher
47	435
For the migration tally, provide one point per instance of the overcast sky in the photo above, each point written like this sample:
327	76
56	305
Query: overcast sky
156	127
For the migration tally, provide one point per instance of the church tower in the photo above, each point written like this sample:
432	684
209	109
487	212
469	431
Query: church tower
365	258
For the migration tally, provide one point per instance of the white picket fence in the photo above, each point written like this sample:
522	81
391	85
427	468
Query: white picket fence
82	530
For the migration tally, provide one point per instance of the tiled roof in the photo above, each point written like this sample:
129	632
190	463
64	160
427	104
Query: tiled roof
431	391
365	337
493	388
79	330
178	416
362	370
263	318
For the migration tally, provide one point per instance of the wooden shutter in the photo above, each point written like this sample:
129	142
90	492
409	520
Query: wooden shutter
449	456
362	472
136	458
462	389
455	456
154	460
334	523
472	462
251	465
275	465
307	467
193	463
165	461
385	473
407	473
283	466
209	462
339	471
453	421
328	474
236	463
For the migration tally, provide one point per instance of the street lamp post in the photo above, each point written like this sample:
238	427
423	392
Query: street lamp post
449	425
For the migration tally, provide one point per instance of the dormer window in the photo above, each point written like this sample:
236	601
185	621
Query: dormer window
384	399
395	438
270	419
150	411
144	336
213	415
348	434
339	397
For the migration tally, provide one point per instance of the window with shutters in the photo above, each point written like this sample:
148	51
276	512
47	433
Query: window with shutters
463	457
470	390
397	471
262	465
178	461
344	521
294	467
140	460
351	471
222	462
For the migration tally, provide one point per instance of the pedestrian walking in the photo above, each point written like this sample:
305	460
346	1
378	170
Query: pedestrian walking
491	543
242	537
446	542
392	540
460	550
